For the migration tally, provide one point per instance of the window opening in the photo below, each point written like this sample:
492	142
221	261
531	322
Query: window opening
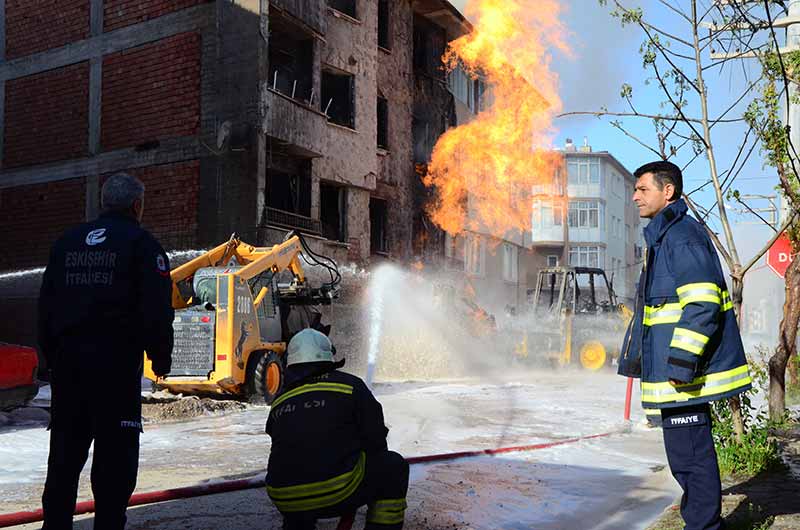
291	60
289	192
383	123
348	7
333	211
377	225
510	262
338	98
583	171
383	24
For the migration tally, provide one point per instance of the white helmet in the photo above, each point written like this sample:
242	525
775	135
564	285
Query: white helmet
309	346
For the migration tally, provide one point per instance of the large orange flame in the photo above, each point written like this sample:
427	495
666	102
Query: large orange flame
483	171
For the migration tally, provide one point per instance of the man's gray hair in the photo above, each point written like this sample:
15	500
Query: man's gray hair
119	192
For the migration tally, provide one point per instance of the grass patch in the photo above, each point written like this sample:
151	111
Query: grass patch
752	518
758	451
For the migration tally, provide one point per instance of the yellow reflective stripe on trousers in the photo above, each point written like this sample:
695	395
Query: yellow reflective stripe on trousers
318	495
662	314
689	340
387	511
313	387
699	292
707	385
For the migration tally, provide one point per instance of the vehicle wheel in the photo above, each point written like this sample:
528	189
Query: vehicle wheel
593	355
265	376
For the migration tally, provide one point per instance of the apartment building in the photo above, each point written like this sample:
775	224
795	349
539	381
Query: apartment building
587	218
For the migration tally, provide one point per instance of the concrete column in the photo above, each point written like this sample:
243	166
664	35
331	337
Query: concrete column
96	17
92	196
316	73
263	124
2	30
95	106
95	103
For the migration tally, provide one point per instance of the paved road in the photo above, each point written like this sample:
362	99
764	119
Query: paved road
615	482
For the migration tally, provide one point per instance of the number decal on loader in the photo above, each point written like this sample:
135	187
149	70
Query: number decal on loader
243	305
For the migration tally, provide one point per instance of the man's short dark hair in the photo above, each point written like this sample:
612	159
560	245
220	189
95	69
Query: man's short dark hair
664	173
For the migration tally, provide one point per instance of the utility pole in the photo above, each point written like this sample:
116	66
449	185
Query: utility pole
772	210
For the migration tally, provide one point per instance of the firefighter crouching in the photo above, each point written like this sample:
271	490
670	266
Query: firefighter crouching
329	454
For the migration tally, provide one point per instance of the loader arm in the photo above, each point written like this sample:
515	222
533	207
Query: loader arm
278	258
255	260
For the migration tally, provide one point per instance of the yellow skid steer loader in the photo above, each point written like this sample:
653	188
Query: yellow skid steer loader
234	318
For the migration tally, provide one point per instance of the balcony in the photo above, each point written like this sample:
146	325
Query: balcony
296	124
291	220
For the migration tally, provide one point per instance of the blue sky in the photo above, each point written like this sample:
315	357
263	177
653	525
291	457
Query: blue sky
605	56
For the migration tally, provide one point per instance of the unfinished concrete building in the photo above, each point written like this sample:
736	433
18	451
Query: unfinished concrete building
247	116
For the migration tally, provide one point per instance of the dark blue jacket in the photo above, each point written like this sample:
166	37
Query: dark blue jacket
684	327
324	427
105	299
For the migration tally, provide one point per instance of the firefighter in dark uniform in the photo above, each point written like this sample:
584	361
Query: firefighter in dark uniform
105	299
329	454
683	341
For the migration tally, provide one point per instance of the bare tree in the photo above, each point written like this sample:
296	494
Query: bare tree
678	53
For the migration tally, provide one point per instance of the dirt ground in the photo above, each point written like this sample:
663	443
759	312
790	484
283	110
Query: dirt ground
162	406
769	500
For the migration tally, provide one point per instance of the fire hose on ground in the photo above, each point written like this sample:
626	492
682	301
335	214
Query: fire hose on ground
18	518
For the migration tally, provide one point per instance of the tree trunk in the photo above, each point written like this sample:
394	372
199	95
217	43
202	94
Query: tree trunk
737	292
787	343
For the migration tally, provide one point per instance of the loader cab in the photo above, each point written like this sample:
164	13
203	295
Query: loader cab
576	316
577	290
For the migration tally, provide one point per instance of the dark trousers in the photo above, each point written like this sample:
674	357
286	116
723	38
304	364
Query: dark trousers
383	491
115	464
693	462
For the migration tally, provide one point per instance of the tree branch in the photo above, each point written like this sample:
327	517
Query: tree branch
626	115
637	140
740	201
760	253
668	35
711	233
658	46
676	10
712	163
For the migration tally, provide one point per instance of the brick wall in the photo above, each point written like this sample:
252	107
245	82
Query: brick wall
37	25
170	202
47	116
151	92
32	217
120	13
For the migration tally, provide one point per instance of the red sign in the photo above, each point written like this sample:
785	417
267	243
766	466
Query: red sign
779	255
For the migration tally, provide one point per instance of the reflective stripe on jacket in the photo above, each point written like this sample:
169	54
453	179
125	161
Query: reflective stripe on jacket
684	327
318	495
324	427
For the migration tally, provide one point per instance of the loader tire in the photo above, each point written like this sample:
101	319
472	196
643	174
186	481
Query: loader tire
593	355
266	376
